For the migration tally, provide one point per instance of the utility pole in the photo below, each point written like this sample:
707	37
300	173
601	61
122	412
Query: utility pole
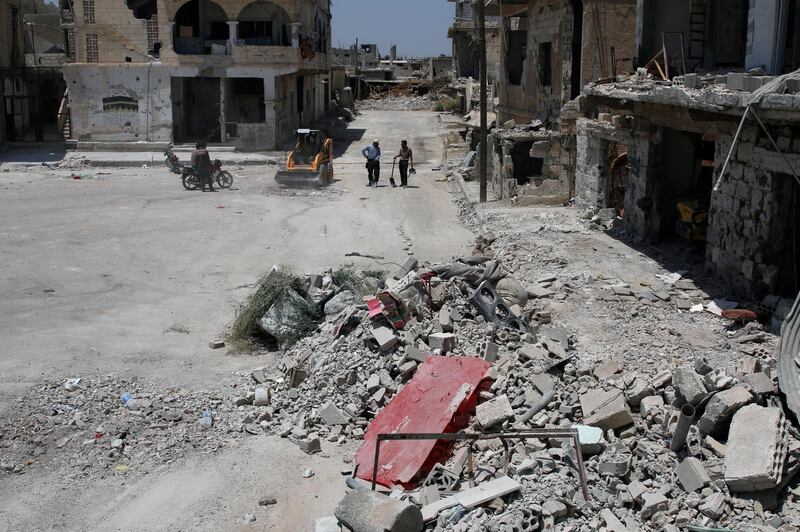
482	154
358	79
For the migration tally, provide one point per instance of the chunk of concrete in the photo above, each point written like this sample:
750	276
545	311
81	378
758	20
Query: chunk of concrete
713	506
606	410
494	412
445	320
756	450
310	446
651	404
338	303
591	438
443	341
722	407
613	524
327	524
607	369
367	511
760	383
653	503
261	397
332	416
692	475
410	264
689	385
417	355
385	337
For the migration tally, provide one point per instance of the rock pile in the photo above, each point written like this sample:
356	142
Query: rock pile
397	103
335	381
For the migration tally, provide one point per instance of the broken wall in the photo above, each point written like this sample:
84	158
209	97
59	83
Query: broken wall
607	26
120	102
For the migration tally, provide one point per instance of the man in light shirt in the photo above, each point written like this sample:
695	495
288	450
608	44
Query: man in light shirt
373	156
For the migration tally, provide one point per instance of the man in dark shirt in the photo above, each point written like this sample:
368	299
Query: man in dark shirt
201	162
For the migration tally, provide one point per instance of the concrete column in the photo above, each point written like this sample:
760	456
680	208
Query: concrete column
296	26
233	32
269	112
765	25
167	42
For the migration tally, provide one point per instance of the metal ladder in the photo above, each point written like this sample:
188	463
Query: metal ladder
698	12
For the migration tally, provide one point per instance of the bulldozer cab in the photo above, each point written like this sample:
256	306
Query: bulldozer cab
310	148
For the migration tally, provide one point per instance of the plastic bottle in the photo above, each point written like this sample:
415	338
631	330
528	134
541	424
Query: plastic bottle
207	421
129	401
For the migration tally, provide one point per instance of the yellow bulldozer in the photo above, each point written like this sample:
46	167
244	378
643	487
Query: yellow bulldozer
310	164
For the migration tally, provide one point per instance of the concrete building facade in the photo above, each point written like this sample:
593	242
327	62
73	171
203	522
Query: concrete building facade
464	34
238	72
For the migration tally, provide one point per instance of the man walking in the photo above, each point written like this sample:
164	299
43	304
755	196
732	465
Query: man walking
406	156
373	155
201	162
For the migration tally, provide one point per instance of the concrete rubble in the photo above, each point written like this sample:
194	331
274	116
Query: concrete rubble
331	383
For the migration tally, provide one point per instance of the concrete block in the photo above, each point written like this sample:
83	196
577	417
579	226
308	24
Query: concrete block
417	355
591	438
689	385
410	264
488	351
691	81
636	489
692	475
331	415
494	412
607	369
606	410
442	341
653	503
756	450
385	337
713	506
722	407
735	81
760	383
368	510
261	397
445	320
310	446
638	390
373	382
651	404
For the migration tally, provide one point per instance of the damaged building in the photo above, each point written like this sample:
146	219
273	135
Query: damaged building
653	147
550	51
236	72
466	49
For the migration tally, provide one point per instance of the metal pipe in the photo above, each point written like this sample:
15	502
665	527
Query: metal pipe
535	409
685	420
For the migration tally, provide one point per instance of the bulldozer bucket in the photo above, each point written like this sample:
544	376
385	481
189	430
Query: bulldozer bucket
300	178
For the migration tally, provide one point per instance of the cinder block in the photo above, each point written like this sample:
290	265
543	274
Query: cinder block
606	410
692	475
756	450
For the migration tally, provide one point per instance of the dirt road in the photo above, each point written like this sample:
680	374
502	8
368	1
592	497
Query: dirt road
124	272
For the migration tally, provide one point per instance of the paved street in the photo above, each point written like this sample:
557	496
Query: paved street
125	272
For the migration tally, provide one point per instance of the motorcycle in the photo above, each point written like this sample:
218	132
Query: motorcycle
173	163
191	178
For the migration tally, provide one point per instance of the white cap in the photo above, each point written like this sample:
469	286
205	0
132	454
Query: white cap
376	141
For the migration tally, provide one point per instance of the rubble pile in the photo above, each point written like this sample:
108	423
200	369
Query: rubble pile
397	103
641	473
82	424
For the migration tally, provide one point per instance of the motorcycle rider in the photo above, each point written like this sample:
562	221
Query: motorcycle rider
201	162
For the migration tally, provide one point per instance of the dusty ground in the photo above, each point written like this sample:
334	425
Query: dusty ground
124	272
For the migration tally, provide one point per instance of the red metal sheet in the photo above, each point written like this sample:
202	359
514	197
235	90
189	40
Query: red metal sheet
438	399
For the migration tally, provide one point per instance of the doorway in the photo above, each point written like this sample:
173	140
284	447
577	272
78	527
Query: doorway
196	110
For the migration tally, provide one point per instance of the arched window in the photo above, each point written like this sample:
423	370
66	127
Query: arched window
201	27
264	23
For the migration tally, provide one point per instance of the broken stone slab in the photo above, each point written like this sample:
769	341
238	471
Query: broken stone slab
653	503
385	337
537	291
607	369
613	524
367	510
692	475
722	407
472	497
756	450
327	524
445	321
689	385
373	382
417	355
636	490
559	334
443	341
638	390
284	315
713	506
606	410
760	383
554	508
494	412
331	415
309	446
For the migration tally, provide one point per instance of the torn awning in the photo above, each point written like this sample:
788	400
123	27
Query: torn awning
437	399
